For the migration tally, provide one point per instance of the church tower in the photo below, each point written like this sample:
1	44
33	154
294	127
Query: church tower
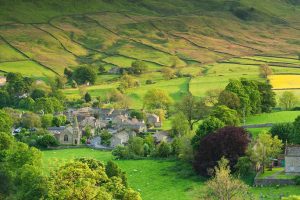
76	131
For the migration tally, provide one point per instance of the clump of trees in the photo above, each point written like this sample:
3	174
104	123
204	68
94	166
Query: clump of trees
20	92
22	176
288	100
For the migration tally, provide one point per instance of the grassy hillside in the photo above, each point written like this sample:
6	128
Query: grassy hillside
211	40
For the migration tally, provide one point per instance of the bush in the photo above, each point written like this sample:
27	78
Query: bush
105	137
297	180
47	141
164	150
121	152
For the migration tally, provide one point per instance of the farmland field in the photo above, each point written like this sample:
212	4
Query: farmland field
285	81
165	179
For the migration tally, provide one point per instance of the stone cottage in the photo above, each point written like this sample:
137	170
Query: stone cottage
292	159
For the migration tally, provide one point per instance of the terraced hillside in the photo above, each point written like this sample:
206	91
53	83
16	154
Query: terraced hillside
211	40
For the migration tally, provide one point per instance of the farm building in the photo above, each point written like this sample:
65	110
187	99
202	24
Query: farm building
292	159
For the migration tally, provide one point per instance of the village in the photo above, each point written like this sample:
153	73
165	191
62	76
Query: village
116	121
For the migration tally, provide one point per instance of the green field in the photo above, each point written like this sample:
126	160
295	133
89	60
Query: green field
274	117
157	179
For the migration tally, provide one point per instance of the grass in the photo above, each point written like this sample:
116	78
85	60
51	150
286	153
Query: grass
27	68
175	88
165	179
256	131
274	117
9	54
154	179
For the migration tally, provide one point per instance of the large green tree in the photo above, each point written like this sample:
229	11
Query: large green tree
194	109
156	99
84	75
226	115
6	122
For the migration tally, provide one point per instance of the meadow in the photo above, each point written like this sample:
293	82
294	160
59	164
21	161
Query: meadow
158	179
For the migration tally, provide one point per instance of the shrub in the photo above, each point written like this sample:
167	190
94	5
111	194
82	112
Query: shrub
164	150
105	137
121	152
47	141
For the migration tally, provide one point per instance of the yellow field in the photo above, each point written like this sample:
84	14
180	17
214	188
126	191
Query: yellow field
285	81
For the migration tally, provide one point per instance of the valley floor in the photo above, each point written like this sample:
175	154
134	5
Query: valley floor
159	179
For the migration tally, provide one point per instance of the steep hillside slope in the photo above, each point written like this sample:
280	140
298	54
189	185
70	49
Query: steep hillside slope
187	34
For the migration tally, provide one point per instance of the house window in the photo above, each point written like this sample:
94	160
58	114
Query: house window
66	138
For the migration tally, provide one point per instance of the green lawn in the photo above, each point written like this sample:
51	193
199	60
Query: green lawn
157	179
274	117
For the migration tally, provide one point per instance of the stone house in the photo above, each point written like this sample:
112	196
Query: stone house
153	120
121	138
292	159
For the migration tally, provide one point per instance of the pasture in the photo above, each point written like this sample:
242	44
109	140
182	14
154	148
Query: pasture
158	179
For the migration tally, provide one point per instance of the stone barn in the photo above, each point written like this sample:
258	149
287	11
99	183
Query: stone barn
292	159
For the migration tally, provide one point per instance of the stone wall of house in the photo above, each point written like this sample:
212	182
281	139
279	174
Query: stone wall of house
292	164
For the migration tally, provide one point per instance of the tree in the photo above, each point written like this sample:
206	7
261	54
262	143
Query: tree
136	146
284	131
265	149
267	96
224	186
226	115
193	109
288	100
229	99
48	105
251	89
105	137
31	183
296	126
101	69
140	115
87	97
31	120
68	73
132	195
156	99
76	180
230	142
4	99
26	103
168	73
83	75
38	93
47	120
138	67
112	169
59	120
237	87
180	125
265	70
17	85
47	141
6	122
212	96
244	167
127	81
209	125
